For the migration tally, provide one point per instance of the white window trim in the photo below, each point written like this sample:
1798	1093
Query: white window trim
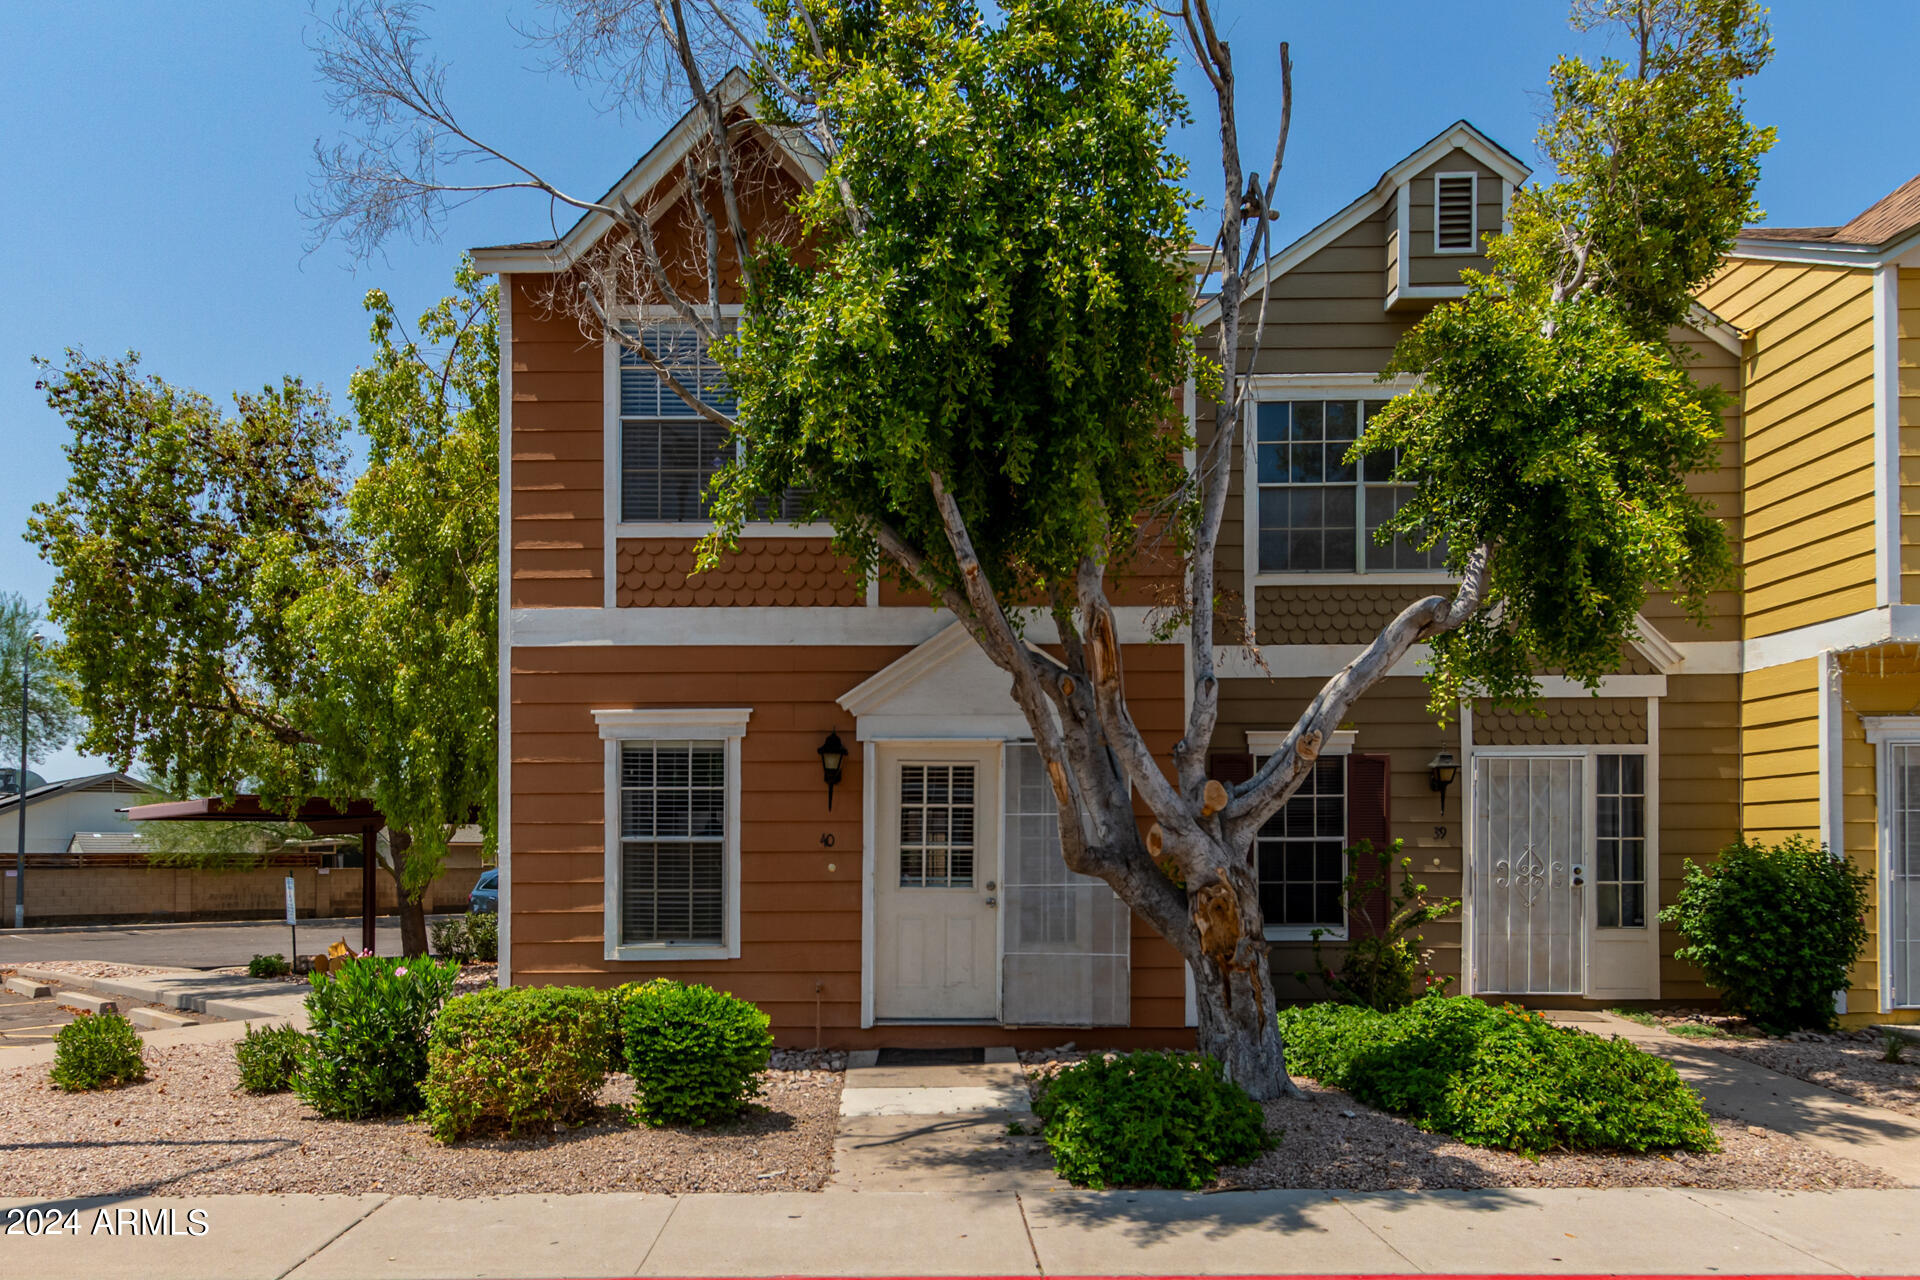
1314	386
691	530
1885	733
1473	234
631	724
1341	745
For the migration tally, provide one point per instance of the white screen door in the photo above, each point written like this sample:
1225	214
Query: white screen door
1529	920
1067	934
936	883
1903	877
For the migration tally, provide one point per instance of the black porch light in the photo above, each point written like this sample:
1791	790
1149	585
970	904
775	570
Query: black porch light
833	762
1441	772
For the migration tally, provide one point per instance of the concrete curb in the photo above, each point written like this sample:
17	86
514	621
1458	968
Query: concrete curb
235	999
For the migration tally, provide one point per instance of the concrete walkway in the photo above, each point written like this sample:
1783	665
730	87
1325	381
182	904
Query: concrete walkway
1833	1122
960	1129
1004	1233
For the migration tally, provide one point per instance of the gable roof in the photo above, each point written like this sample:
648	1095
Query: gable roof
1461	135
1892	217
735	90
112	781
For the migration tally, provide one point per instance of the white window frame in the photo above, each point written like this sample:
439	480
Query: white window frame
1884	733
671	724
1473	205
1262	743
1319	386
610	456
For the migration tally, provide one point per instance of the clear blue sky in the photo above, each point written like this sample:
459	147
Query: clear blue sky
154	154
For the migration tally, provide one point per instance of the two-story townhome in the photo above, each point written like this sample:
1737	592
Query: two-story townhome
1830	642
786	781
1561	833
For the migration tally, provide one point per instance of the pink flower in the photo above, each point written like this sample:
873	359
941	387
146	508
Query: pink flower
401	972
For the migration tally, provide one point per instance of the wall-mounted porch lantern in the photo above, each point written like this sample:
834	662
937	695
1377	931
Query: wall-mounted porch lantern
833	762
1441	772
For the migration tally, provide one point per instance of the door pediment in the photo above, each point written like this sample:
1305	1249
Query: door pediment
944	688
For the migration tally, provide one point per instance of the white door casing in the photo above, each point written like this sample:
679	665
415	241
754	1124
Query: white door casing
1563	885
936	875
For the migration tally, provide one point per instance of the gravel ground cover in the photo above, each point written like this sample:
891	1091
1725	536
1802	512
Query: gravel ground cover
92	968
1850	1062
190	1130
1331	1141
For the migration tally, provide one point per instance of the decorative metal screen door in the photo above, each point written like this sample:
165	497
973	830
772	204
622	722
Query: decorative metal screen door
1066	946
1529	920
1903	876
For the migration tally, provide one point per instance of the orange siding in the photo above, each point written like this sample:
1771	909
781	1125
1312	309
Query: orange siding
659	572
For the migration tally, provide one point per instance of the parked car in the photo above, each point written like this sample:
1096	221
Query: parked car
486	891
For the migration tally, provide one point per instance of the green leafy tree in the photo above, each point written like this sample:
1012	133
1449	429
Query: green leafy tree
240	618
969	369
50	714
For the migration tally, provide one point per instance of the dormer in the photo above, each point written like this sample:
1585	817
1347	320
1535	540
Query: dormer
1446	199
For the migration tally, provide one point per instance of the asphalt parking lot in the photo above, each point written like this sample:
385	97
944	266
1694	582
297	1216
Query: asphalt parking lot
213	945
27	1021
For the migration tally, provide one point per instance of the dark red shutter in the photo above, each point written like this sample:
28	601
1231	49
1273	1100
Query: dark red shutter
1369	817
1231	769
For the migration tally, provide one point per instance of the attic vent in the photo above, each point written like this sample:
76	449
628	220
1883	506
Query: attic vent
1453	213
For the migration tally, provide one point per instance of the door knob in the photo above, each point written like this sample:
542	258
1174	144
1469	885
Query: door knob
992	901
1577	881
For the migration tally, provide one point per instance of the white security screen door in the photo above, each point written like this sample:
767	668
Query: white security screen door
1067	946
1529	919
936	882
1903	876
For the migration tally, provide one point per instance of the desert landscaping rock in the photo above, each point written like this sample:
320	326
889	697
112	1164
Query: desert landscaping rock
1844	1063
190	1130
1331	1141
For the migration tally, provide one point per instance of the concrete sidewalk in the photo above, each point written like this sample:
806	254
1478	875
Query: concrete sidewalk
1648	1232
227	996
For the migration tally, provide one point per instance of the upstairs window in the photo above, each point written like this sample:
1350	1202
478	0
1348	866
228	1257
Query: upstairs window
668	451
1317	512
1453	213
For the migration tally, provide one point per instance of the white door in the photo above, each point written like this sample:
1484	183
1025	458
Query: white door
1529	916
1902	883
935	882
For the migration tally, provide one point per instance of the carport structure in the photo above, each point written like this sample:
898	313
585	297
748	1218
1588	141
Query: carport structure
322	817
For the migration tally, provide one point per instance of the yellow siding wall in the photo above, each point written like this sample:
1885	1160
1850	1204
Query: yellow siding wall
1808	453
1910	436
1699	798
1780	751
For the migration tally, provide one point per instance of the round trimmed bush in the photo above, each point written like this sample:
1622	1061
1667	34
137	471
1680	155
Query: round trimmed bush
269	1058
513	1059
695	1054
1148	1119
97	1051
1776	928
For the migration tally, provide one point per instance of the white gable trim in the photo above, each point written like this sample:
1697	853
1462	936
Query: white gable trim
1459	136
945	689
652	169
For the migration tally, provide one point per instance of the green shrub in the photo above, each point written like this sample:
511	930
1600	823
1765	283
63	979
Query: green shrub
695	1054
506	1060
368	1024
269	1058
469	938
1776	928
1498	1077
1384	965
1148	1119
274	966
97	1051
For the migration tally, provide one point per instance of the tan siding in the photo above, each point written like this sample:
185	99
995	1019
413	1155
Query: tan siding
1699	799
1425	267
1808	443
1392	718
800	922
1563	722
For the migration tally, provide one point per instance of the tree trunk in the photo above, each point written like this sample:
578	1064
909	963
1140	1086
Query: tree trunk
1239	1028
412	912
